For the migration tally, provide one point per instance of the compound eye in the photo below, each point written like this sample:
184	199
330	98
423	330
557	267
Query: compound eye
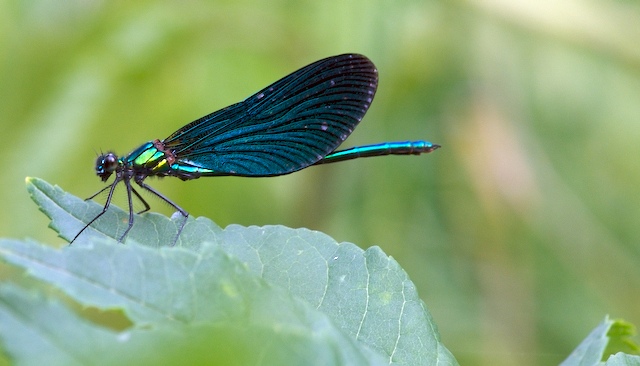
106	165
110	162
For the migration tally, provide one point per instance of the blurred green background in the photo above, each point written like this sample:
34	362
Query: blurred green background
521	233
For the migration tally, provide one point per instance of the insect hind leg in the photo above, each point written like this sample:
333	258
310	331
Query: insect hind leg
184	213
146	205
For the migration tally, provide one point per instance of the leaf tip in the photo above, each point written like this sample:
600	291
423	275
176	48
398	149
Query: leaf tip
33	182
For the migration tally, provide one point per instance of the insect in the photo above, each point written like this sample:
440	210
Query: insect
296	122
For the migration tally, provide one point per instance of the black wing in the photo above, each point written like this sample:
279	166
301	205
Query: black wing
285	127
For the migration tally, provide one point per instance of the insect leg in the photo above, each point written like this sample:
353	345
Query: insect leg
104	209
174	205
127	183
146	205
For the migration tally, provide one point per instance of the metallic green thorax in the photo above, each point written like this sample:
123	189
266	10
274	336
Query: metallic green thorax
153	159
147	157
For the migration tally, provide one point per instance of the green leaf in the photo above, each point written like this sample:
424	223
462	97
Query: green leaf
366	293
274	279
42	331
622	359
172	291
611	337
32	326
